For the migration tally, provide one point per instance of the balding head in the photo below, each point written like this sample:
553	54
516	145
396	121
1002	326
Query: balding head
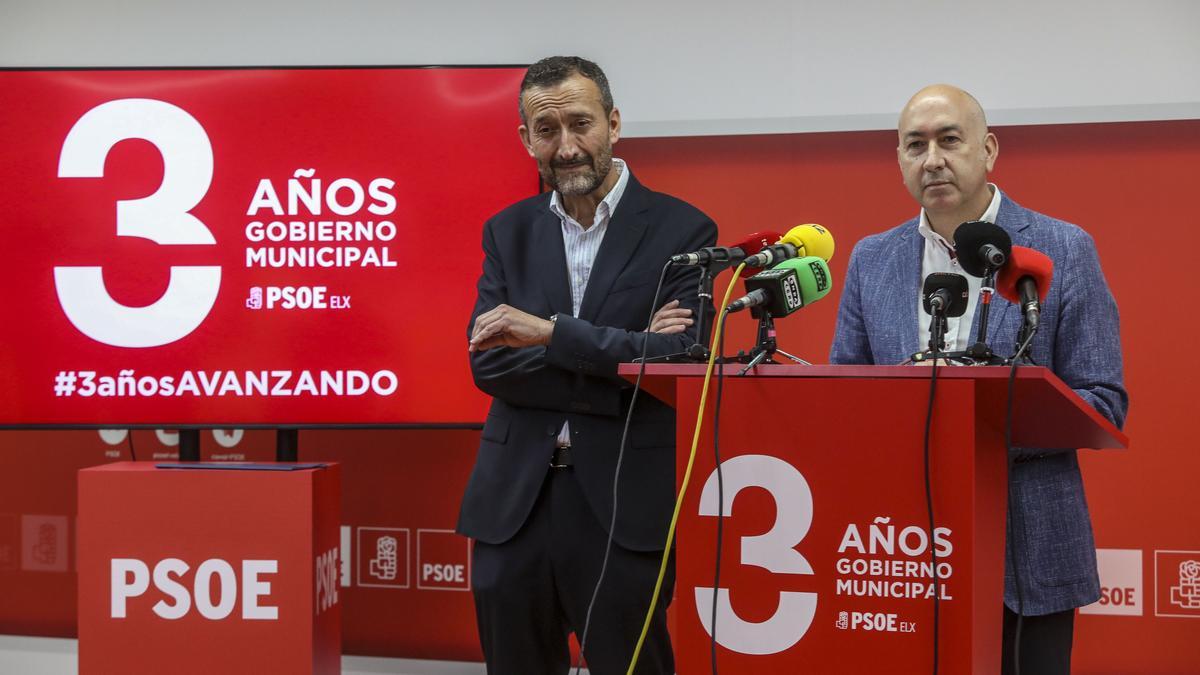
946	94
945	154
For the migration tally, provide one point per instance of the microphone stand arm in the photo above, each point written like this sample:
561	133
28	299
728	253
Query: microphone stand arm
980	352
699	351
985	298
938	325
937	333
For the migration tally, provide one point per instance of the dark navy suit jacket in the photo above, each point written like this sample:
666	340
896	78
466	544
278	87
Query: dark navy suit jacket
1050	533
574	378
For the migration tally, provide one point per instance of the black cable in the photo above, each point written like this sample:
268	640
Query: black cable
1008	450
612	525
929	492
720	486
129	437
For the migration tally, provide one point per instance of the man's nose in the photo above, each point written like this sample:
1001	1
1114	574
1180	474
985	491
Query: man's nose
934	159
568	146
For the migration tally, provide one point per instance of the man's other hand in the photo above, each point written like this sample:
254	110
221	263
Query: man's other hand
505	326
671	319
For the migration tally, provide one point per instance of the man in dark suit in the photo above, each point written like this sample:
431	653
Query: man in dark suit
945	154
568	282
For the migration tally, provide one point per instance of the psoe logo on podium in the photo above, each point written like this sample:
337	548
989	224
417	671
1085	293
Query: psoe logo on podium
1177	584
1121	585
176	595
383	557
443	561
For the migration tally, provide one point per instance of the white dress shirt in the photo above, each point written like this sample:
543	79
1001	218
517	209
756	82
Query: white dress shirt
581	245
939	257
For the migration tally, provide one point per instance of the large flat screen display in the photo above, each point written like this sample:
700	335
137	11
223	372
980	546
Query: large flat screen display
252	246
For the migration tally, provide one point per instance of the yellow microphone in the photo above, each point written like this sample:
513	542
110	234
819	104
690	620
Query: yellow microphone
799	242
810	239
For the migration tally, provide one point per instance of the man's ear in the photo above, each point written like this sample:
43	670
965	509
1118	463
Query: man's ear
523	132
991	149
614	126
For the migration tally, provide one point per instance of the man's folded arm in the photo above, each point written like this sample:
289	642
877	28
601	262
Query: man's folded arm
580	346
521	376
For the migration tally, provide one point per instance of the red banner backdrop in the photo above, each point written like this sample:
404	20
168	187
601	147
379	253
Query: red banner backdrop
1125	183
249	246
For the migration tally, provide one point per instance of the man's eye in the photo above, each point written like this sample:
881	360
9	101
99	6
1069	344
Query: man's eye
916	145
951	140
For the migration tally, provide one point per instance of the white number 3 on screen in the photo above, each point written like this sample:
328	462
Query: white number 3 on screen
161	217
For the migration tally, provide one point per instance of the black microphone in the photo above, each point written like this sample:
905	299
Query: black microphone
945	293
727	256
981	247
771	255
708	255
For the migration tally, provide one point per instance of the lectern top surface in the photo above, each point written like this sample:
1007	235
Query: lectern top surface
1046	412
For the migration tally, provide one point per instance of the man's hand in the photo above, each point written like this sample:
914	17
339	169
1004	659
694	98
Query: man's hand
505	326
670	319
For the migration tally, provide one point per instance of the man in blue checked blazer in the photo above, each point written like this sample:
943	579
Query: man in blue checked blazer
945	153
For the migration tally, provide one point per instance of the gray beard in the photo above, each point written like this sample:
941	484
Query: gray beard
579	184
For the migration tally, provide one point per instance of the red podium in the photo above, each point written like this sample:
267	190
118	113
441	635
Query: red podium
825	559
212	570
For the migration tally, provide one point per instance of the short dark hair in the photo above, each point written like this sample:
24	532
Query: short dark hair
555	70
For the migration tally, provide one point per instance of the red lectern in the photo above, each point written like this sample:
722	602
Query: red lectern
221	569
825	559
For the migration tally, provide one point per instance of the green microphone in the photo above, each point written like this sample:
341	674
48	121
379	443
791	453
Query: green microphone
785	288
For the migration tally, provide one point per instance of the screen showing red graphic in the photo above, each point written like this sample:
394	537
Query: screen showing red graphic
249	246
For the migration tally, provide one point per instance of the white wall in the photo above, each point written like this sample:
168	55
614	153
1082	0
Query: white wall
684	68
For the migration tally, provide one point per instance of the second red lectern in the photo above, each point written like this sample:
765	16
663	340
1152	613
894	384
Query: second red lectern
825	560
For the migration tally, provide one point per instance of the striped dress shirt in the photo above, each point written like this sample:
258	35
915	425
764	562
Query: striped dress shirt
581	245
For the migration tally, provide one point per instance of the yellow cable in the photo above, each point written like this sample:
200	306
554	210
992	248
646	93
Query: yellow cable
687	474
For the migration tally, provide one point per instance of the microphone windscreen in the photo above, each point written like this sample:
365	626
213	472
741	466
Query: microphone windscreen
753	243
810	239
956	284
1025	262
813	275
974	235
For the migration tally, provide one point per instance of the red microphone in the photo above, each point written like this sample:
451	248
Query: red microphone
1025	280
752	244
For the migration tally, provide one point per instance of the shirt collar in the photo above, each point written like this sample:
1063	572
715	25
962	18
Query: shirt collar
607	206
989	215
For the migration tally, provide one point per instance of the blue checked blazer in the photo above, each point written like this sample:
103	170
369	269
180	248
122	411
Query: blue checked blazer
1049	531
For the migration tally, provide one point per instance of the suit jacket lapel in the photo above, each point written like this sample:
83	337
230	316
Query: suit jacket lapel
548	241
906	268
625	231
